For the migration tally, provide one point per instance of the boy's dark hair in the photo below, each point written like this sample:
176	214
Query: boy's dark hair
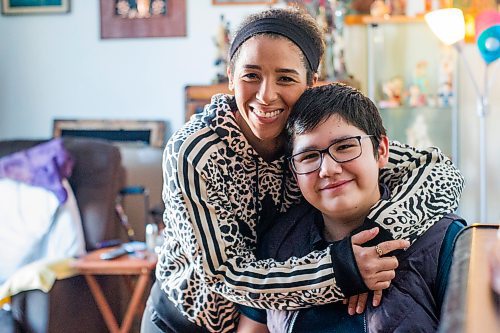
300	18
317	104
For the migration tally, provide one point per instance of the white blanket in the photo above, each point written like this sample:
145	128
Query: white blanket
33	226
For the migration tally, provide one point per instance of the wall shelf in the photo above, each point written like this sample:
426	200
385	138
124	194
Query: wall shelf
388	19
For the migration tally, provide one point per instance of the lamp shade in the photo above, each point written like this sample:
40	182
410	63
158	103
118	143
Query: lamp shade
447	24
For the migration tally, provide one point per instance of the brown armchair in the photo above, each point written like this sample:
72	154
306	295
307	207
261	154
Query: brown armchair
97	177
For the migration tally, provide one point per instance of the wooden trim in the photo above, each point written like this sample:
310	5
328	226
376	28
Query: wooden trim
389	19
197	96
156	127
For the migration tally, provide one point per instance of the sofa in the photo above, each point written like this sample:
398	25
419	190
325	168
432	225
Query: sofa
96	179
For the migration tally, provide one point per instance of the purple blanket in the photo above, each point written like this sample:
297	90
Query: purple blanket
44	165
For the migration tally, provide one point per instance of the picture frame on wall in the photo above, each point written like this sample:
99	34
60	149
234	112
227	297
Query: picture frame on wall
139	18
243	2
17	7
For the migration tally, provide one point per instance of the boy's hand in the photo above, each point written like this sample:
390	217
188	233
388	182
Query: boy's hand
376	270
357	303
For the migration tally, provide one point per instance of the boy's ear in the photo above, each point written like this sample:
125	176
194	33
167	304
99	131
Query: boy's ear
230	77
315	79
383	152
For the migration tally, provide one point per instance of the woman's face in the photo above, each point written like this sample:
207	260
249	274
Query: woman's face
269	76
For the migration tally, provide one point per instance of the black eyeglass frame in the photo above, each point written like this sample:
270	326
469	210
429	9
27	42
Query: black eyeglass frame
327	150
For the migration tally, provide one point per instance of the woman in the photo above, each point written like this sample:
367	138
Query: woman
225	178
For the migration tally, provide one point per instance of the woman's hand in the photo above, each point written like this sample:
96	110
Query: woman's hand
357	303
376	270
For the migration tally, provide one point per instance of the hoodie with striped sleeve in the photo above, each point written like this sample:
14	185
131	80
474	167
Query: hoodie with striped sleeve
220	195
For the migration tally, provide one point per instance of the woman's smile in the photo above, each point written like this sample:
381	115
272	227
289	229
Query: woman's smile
266	115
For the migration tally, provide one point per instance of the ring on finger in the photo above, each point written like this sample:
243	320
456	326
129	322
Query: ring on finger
379	250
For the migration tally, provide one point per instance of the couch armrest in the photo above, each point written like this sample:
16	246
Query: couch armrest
97	178
469	303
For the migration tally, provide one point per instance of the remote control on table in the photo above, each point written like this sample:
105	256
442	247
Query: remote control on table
115	253
123	249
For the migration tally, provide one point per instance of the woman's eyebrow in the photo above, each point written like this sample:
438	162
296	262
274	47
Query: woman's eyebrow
248	66
279	70
287	70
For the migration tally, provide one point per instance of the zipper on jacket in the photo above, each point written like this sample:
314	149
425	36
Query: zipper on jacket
292	321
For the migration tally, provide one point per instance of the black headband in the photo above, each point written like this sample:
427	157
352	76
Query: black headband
287	29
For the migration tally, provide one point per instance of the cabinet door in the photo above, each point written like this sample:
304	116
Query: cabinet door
410	76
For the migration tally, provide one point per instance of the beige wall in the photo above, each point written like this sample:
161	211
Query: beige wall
56	66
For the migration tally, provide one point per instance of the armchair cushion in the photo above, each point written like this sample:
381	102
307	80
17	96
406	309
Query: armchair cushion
35	226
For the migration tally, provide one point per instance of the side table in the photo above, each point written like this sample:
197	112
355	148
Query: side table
91	265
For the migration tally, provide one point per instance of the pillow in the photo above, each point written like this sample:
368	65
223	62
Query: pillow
44	165
34	225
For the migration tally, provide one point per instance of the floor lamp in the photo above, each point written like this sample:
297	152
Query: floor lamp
449	26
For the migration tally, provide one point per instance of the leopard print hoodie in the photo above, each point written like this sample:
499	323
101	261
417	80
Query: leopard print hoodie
216	187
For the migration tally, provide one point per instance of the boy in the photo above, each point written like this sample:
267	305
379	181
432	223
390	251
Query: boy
338	145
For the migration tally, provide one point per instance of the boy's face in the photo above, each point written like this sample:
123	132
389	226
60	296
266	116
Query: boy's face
341	191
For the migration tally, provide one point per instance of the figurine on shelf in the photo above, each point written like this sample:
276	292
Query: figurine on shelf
339	10
397	7
445	77
418	90
221	41
361	6
417	134
330	15
421	76
323	25
379	9
445	95
415	96
392	90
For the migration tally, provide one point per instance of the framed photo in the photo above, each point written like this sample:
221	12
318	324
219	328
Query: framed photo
140	18
150	132
34	6
243	2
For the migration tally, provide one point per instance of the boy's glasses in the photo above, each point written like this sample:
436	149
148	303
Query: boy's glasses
341	151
